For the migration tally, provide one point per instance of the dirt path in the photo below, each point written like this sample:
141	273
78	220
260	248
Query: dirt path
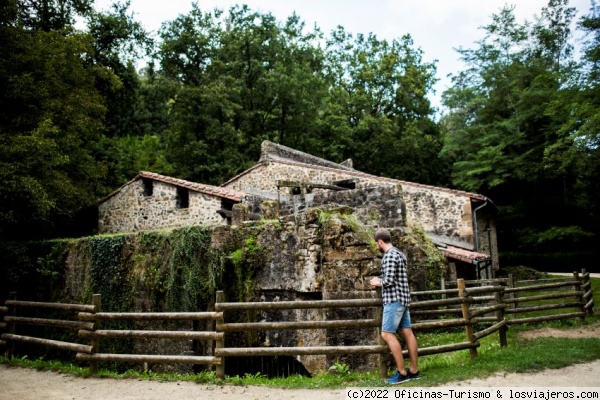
27	384
20	383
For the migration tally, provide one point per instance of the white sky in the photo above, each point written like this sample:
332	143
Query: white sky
436	26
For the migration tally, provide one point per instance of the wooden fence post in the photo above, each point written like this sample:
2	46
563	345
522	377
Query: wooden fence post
220	343
11	327
95	342
577	288
443	287
462	292
499	296
513	295
588	297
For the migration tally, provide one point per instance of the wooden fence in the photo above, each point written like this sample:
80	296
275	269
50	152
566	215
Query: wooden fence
478	307
573	292
95	334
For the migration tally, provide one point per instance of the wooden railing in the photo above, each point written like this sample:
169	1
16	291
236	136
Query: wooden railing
11	320
462	298
574	292
95	334
467	307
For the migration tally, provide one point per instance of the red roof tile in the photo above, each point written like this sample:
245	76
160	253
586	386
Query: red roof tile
217	191
464	255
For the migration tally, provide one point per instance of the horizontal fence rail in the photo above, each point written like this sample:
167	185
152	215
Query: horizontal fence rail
12	320
488	305
96	335
576	290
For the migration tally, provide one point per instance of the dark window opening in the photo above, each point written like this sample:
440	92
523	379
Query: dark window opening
148	186
227	204
226	210
183	198
347	183
466	271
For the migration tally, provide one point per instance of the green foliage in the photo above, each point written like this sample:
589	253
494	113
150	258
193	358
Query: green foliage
51	268
428	262
515	132
49	129
109	278
324	218
354	224
339	368
178	269
246	261
194	270
380	88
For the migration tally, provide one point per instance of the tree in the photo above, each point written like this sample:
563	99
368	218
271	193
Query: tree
119	42
507	113
54	82
381	88
48	15
244	78
49	125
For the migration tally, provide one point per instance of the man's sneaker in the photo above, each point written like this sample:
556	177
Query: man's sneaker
416	375
398	378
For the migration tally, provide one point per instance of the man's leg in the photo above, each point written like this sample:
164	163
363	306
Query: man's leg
412	347
396	349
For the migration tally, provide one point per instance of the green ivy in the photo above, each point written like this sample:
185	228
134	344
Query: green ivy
434	261
178	268
246	261
108	277
194	270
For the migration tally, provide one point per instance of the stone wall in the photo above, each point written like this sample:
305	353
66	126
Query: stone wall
441	212
131	210
306	258
374	206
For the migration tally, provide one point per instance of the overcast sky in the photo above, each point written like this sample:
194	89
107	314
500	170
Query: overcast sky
436	26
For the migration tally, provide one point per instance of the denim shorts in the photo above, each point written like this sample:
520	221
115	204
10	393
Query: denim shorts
395	316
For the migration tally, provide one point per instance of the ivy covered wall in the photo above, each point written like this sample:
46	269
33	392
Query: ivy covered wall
163	270
322	253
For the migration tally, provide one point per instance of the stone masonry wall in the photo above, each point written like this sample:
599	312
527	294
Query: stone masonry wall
131	210
307	259
375	206
440	212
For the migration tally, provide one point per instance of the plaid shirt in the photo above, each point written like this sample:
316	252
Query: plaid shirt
394	277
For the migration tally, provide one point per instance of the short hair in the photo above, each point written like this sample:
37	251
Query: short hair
383	234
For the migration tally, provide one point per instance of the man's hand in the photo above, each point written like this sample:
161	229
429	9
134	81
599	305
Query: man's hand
375	282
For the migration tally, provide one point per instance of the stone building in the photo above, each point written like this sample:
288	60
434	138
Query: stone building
461	224
152	201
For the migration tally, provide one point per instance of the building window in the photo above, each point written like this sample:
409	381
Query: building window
183	198
347	183
148	186
226	210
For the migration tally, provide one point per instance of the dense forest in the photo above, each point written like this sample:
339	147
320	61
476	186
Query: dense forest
80	117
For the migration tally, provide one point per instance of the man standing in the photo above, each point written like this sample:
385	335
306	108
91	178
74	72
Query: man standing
396	300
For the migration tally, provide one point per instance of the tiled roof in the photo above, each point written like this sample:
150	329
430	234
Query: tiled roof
217	191
468	256
349	172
